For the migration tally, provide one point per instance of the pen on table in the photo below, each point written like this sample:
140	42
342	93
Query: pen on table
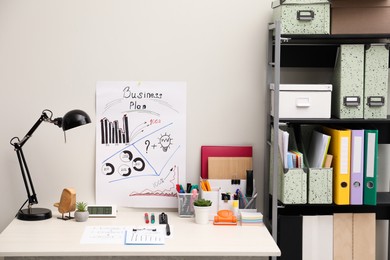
168	229
146	216
163	219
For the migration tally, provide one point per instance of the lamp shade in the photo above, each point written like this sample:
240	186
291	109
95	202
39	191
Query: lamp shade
74	119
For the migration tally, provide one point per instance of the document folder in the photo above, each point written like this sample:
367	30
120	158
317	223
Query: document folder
347	94
229	167
364	226
357	166
319	146
317	238
342	236
370	166
221	151
376	81
340	149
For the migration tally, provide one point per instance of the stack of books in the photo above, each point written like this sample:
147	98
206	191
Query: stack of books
251	218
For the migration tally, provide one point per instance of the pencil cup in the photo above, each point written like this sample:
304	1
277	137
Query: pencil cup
186	204
247	203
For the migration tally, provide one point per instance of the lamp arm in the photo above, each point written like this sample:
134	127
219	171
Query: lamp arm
28	183
18	144
43	117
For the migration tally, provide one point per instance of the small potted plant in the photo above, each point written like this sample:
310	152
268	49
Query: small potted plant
81	214
202	211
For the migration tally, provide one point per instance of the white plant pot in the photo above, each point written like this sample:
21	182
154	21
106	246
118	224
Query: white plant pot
81	216
202	215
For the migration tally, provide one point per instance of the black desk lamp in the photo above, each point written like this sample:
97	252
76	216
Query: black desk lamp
71	119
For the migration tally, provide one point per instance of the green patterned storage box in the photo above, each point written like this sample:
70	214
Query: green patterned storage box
348	82
292	183
302	16
376	77
292	186
320	185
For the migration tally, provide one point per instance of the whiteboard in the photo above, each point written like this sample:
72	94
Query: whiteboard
140	143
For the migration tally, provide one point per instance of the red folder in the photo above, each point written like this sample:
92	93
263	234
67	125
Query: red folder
221	151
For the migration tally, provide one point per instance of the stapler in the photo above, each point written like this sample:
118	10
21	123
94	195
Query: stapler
225	217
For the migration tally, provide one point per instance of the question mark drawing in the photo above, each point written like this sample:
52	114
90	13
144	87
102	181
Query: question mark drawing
147	142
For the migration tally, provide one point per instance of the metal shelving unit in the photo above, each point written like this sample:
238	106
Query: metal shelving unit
291	45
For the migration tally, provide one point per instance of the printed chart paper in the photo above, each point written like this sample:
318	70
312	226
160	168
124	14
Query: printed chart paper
140	143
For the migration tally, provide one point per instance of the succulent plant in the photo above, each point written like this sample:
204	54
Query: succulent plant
81	206
202	203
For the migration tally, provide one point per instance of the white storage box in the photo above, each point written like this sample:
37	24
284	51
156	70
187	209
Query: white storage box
303	100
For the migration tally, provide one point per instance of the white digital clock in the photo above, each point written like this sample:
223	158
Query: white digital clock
102	211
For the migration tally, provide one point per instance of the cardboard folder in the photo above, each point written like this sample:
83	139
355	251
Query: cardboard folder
376	81
357	169
348	82
354	236
339	147
229	167
370	166
364	227
221	151
342	236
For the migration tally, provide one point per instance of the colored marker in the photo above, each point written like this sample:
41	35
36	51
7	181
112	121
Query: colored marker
152	219
146	218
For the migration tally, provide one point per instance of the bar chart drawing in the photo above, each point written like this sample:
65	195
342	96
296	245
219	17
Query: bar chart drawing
112	133
140	143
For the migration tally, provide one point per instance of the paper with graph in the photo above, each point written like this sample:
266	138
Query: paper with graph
140	143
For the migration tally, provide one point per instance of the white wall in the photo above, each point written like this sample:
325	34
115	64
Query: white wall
53	52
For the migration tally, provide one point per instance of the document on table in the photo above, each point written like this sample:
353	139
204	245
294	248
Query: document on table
128	235
103	235
153	235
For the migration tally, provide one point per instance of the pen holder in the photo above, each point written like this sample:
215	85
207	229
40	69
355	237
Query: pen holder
247	203
186	204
